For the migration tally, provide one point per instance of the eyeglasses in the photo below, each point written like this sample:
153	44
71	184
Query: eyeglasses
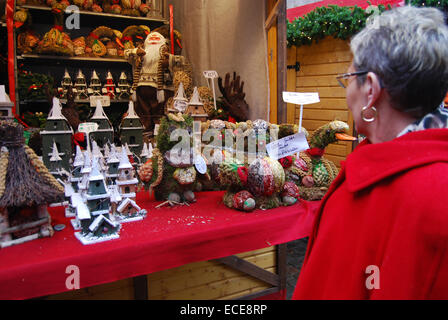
343	78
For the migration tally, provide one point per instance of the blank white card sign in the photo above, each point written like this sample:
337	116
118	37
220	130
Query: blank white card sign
301	98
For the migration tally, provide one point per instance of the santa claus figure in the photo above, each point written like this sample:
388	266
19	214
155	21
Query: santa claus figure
152	83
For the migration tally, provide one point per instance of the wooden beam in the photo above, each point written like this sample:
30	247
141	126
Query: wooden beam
281	264
272	18
24	226
282	111
140	288
250	269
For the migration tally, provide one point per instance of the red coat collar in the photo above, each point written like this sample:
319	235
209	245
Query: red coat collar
371	163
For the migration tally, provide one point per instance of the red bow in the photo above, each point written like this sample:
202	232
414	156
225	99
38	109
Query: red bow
286	162
78	138
316	152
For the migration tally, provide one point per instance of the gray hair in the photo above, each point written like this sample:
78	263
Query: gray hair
407	48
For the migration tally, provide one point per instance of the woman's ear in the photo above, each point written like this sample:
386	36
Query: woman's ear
373	89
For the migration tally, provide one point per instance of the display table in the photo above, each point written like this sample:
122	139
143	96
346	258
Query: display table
168	237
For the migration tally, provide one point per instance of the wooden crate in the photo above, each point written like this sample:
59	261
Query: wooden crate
319	65
206	280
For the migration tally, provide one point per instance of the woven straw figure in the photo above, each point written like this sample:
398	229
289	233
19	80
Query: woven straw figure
312	172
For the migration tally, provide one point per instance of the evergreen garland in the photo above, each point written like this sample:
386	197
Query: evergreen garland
440	4
335	21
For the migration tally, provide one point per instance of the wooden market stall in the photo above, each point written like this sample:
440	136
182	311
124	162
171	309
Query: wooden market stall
243	36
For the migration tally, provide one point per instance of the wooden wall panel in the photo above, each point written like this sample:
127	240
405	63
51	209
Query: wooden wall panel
210	279
200	280
319	65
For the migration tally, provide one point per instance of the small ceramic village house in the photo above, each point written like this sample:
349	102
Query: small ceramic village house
196	108
26	188
112	165
126	181
105	132
124	88
78	163
95	85
94	215
128	206
57	132
131	130
81	86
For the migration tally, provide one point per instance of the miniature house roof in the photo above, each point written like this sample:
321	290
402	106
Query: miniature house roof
56	111
82	211
79	157
55	153
128	150
25	185
94	76
95	174
144	150
125	203
87	163
113	158
98	222
96	152
131	112
99	111
181	93
109	76
66	75
124	160
123	76
80	75
194	101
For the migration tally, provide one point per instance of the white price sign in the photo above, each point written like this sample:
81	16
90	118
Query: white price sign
104	100
210	74
287	146
301	97
88	127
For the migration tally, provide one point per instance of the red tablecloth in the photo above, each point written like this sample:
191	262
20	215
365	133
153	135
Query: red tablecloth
166	238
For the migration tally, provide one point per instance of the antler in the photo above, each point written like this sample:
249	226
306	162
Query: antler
233	97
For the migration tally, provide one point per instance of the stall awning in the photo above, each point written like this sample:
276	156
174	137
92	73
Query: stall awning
303	10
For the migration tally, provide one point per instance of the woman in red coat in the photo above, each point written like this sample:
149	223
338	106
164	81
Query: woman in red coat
382	229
